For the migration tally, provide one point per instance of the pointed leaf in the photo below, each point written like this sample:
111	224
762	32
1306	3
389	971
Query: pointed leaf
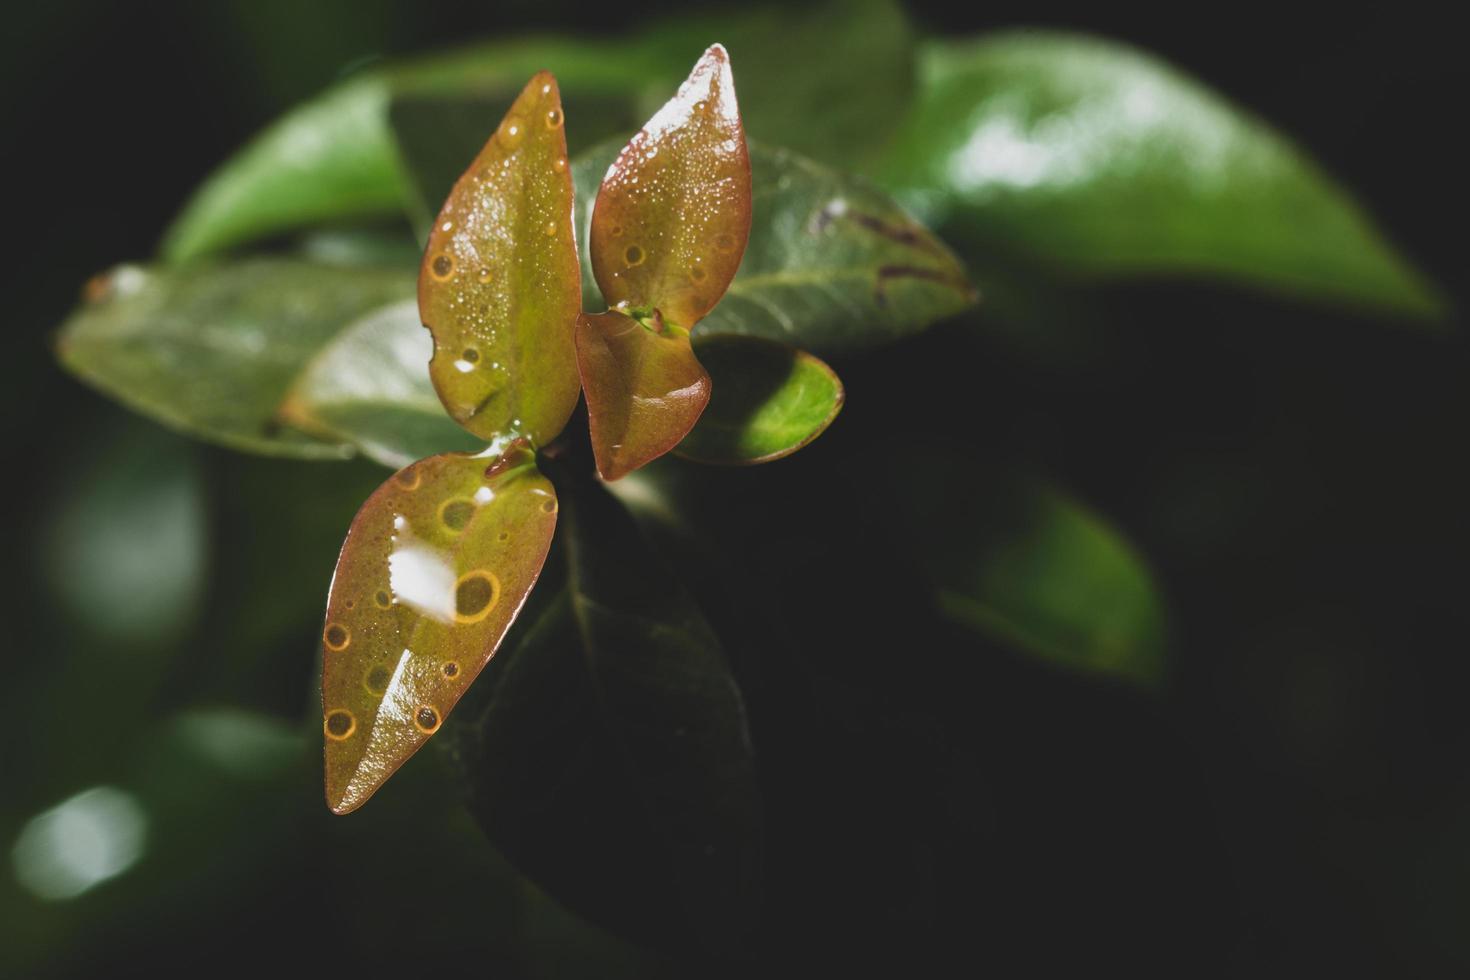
833	263
644	387
1100	160
500	287
370	386
434	569
767	401
213	350
673	213
610	758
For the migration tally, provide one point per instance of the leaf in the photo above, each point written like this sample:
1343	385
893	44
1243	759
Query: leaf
833	264
434	570
334	157
610	760
500	287
1021	562
644	387
1099	160
212	350
768	400
369	387
672	216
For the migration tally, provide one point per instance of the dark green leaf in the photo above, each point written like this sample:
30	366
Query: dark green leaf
370	386
334	156
1025	564
833	264
213	350
610	760
1099	160
768	400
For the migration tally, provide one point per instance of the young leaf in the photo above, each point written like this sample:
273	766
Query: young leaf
435	568
833	264
1099	160
673	214
500	287
368	387
768	400
644	386
213	350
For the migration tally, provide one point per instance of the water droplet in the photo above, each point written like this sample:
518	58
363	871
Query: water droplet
456	513
475	594
426	719
512	132
697	272
725	241
408	478
484	275
551	228
447	226
503	536
442	267
616	231
559	164
553	118
701	106
336	637
633	256
383	599
451	669
471	355
376	681
339	724
548	506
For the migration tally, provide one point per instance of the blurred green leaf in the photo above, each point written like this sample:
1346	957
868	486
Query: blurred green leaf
608	755
1099	160
334	156
213	350
1022	562
833	264
768	400
370	386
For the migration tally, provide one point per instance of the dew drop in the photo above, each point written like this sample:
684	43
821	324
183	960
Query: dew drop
442	267
725	241
548	506
551	228
408	479
484	275
382	599
553	118
447	226
456	512
426	719
339	724
559	164
697	272
701	106
376	681
475	594
336	637
634	256
471	355
512	132
451	669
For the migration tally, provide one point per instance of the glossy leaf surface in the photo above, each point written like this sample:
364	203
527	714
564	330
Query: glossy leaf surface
644	387
767	401
1099	160
369	387
609	757
1025	564
500	288
213	350
334	156
672	217
434	570
833	263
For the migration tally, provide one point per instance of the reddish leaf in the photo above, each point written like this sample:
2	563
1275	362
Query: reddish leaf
500	286
434	569
673	215
645	389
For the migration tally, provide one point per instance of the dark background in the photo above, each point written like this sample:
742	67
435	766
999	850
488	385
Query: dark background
1296	800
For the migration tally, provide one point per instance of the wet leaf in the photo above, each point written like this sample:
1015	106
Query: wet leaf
1096	159
334	157
213	350
500	287
768	400
672	216
644	388
833	263
434	570
370	387
1025	564
610	759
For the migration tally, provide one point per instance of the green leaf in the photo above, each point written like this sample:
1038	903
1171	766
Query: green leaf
768	400
334	157
213	350
1023	563
609	759
370	387
1099	160
833	264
